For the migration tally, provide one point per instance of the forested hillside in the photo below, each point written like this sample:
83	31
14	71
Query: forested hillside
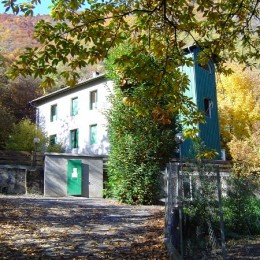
16	32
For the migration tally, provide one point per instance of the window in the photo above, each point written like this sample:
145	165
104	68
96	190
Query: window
74	106
208	104
93	134
53	113
93	100
74	138
53	139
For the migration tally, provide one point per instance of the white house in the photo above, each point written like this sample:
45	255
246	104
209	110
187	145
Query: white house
74	116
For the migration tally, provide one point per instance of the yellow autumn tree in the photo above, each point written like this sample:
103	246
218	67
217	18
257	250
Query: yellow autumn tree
246	154
239	115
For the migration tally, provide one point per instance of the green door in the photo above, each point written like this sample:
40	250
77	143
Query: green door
74	177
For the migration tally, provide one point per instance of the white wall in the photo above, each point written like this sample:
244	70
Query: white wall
86	117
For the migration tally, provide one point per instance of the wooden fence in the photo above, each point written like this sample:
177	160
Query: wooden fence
22	158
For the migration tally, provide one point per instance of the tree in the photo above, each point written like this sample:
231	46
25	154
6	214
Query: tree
14	100
162	28
3	76
6	122
141	135
239	113
17	94
239	108
159	28
22	135
6	116
245	153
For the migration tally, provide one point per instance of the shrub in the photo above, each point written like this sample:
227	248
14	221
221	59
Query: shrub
22	136
55	148
242	207
139	147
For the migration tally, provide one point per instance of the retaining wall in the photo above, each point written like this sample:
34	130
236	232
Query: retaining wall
19	180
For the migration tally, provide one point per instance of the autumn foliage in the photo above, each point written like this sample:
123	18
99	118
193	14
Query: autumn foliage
239	111
17	32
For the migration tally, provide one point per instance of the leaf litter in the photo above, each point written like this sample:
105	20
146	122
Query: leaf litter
71	228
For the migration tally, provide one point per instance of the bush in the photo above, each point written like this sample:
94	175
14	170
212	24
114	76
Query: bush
55	148
139	148
22	136
242	207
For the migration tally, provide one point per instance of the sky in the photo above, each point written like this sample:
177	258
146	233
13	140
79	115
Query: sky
39	9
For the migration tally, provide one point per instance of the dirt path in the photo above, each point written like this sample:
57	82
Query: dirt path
79	228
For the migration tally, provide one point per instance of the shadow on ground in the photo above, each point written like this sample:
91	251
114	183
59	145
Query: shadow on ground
79	228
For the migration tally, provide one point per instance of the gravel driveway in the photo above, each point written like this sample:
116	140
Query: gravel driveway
79	228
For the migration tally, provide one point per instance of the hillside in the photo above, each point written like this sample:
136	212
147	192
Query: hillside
16	32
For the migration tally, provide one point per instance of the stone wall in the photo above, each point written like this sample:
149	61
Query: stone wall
20	180
35	181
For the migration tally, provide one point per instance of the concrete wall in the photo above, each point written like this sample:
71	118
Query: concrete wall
56	175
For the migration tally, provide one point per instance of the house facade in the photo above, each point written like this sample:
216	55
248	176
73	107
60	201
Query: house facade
74	116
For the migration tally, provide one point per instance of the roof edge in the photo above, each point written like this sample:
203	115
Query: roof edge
65	89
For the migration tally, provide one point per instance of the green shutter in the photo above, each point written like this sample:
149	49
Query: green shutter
93	134
53	139
74	138
53	113
74	107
